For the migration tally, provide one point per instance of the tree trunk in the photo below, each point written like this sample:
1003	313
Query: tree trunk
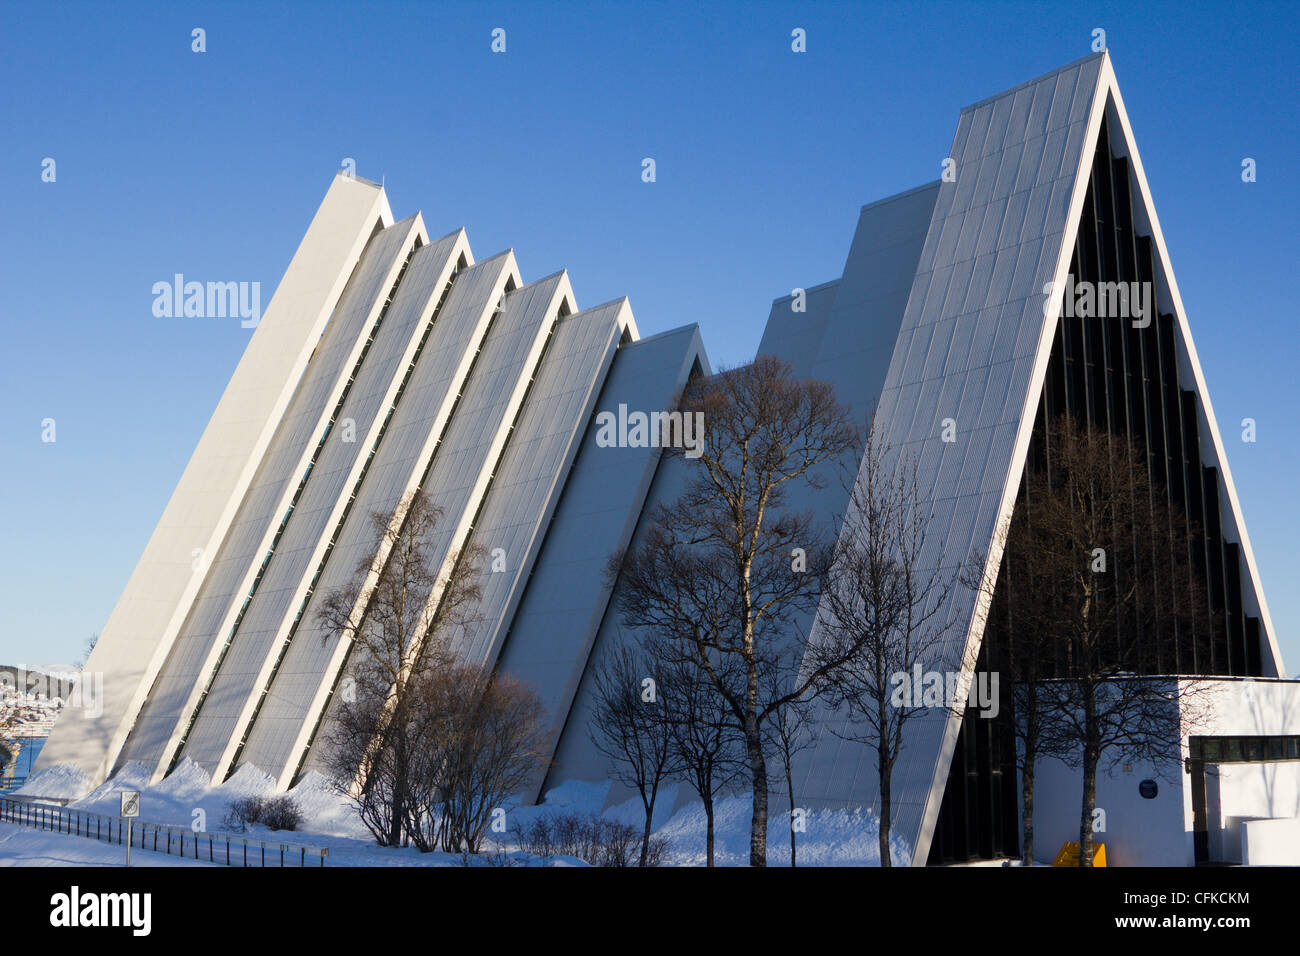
1089	799
1027	785
885	773
1027	806
395	823
1090	755
708	830
758	772
789	787
645	835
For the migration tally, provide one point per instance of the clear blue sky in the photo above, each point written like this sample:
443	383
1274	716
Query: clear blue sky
212	165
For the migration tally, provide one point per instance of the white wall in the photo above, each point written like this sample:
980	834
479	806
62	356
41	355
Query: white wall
1271	842
1158	832
1139	832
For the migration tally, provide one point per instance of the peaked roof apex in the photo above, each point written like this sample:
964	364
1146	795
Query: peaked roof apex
1103	55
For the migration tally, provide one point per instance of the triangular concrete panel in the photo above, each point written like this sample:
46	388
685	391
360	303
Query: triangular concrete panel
972	353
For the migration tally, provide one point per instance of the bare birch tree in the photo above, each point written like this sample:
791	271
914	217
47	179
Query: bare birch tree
1113	601
882	612
490	740
726	568
396	613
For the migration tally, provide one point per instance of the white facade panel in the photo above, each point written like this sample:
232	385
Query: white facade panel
920	392
270	496
796	337
535	465
565	603
289	716
302	440
138	636
463	469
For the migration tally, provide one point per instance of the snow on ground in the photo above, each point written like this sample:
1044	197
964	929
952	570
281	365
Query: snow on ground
60	782
24	846
831	837
186	798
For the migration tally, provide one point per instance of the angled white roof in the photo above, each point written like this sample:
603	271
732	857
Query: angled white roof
566	604
243	651
310	541
411	442
533	470
139	634
199	646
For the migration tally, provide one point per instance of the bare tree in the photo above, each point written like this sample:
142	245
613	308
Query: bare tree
882	612
491	741
87	646
726	568
369	776
396	613
631	727
703	735
1113	602
790	731
1018	597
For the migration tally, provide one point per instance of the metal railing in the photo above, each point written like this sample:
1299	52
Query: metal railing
226	849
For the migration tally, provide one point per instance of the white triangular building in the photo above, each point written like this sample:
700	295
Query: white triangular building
388	361
1040	170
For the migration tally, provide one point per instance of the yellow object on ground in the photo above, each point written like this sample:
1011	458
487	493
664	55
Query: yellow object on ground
1069	855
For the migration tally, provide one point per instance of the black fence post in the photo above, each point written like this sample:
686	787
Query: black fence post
63	820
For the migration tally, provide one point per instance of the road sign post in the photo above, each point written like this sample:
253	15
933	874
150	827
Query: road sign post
130	810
